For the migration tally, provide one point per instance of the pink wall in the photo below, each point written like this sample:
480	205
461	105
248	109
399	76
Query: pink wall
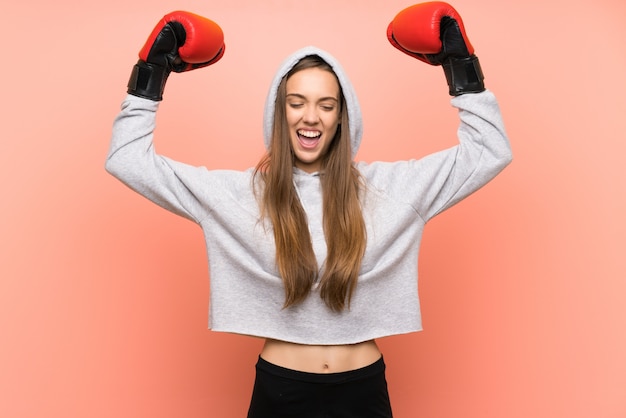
103	296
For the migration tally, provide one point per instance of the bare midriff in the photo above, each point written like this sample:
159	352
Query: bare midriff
320	358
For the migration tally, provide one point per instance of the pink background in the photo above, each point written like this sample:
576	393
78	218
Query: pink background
103	296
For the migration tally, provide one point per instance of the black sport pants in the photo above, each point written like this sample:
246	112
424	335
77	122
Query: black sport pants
285	393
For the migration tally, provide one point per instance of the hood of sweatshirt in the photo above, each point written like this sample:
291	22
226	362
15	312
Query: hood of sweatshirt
352	103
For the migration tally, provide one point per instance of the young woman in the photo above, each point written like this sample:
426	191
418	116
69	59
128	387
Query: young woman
311	250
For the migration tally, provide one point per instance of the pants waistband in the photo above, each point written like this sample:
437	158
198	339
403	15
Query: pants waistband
373	369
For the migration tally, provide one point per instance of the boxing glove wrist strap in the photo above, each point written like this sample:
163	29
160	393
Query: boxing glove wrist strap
464	75
148	80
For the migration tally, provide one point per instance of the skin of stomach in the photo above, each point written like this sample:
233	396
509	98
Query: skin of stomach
320	358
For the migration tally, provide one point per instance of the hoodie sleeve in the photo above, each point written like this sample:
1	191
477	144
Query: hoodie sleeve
438	181
132	159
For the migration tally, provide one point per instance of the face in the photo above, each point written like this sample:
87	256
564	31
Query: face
313	114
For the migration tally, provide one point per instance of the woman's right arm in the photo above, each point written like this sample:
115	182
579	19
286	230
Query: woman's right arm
180	42
133	160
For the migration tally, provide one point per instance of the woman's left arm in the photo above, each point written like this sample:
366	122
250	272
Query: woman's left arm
434	33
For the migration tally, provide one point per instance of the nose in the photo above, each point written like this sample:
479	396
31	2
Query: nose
311	116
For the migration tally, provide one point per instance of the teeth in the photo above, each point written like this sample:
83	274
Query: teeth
309	134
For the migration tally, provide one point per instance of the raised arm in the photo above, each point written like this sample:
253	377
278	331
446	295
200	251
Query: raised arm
180	42
434	33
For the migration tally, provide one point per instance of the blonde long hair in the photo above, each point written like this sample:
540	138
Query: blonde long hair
344	227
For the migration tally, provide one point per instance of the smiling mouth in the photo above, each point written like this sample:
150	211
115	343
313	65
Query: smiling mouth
308	139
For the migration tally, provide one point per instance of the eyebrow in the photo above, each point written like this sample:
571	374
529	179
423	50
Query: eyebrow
300	96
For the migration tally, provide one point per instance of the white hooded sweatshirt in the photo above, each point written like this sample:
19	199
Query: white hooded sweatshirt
247	294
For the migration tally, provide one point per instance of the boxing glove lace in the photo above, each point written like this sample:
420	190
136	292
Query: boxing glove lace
181	41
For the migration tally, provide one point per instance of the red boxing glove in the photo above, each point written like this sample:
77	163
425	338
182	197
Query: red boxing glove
434	33
181	41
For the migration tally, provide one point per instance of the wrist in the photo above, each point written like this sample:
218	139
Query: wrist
148	80
464	75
